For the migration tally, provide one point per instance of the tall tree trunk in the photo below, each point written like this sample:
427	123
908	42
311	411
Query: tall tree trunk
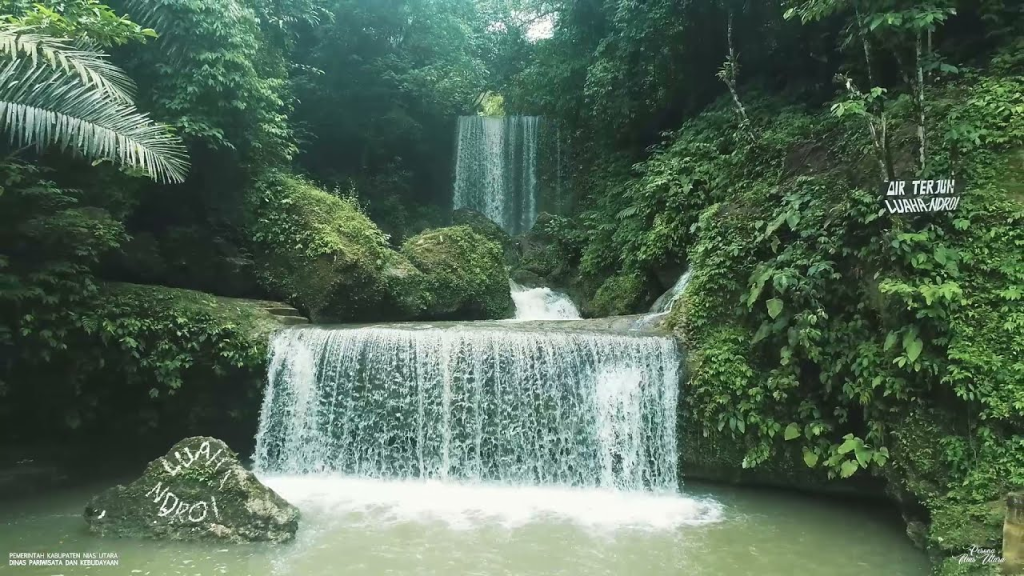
730	80
921	136
877	122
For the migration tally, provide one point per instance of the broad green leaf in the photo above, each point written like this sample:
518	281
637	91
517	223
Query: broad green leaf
792	431
774	307
914	349
849	445
848	468
890	341
810	458
863	455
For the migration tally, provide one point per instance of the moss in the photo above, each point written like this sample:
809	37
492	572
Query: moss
958	526
464	274
484	226
622	294
956	567
197	491
324	256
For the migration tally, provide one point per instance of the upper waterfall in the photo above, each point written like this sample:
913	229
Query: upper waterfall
473	402
496	169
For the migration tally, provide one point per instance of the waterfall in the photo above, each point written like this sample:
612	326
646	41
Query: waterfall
496	169
473	402
542	304
663	305
667	300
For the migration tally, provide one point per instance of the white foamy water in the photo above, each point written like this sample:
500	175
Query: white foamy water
663	305
667	300
469	506
471	402
542	304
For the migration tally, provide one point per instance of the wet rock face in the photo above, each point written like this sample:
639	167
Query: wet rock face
198	491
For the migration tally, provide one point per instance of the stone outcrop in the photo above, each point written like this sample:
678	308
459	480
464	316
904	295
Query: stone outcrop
464	274
485	227
198	491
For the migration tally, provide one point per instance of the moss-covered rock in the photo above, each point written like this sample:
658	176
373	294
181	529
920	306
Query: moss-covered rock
323	255
198	491
540	252
622	294
464	274
488	228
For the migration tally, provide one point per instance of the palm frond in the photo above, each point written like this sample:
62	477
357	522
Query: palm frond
42	106
92	68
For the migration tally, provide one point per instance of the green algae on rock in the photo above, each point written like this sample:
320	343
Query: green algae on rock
198	491
465	275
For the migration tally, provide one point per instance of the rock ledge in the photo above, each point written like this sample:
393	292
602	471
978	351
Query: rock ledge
198	491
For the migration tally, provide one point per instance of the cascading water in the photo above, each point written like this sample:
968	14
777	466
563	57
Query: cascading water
667	300
515	407
542	304
496	169
484	419
663	305
435	419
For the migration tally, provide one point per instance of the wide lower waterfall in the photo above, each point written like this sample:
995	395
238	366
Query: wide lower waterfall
473	403
496	169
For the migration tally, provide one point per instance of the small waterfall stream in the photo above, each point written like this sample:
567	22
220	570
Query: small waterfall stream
542	304
496	169
663	305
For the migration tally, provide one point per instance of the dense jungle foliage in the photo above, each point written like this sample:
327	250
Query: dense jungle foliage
166	159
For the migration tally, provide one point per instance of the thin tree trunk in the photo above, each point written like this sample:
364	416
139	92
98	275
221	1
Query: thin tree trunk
880	141
730	81
921	136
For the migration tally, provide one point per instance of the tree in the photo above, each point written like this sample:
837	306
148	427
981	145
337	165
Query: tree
901	27
52	93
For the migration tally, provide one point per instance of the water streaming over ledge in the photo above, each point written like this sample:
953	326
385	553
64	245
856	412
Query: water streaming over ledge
464	402
663	305
496	169
542	304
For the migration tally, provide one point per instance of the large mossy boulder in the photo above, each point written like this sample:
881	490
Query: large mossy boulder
323	255
488	228
464	274
619	295
198	491
539	249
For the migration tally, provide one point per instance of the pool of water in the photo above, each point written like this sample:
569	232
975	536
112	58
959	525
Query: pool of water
357	527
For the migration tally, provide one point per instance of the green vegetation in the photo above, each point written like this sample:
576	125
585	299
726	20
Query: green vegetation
142	361
828	342
620	295
822	333
322	254
465	277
